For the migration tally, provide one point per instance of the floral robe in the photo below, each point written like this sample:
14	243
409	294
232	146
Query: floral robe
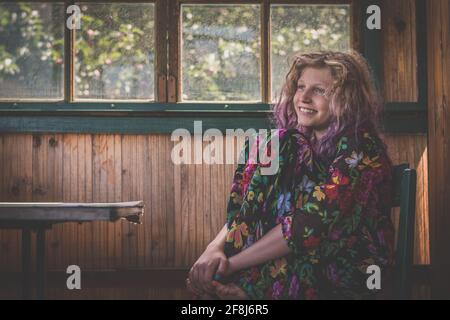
333	218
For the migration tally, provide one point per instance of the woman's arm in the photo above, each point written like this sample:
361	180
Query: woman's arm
219	240
271	246
212	259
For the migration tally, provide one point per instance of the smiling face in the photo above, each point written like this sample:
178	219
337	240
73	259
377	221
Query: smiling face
310	101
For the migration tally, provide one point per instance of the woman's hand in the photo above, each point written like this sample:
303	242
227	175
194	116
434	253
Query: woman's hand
212	261
229	291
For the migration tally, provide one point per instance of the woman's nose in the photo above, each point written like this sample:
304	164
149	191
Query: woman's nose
306	96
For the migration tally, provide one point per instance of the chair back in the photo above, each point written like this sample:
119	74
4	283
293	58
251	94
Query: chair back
404	180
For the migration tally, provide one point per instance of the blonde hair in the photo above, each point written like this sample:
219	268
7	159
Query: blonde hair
354	100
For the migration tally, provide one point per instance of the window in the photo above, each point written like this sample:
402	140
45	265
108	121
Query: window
225	49
296	28
221	58
115	52
31	51
168	61
223	55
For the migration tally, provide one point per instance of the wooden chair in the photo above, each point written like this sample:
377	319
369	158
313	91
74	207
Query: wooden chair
404	180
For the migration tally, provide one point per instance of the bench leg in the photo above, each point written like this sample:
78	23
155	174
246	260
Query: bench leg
26	263
40	264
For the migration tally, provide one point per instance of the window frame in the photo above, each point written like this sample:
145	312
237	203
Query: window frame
166	114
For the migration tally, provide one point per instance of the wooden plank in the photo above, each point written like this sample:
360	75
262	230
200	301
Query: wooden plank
129	190
117	230
126	185
102	196
206	200
110	196
186	237
220	213
98	146
11	237
197	194
178	208
55	156
75	180
162	207
169	200
40	162
151	228
192	210
214	198
90	227
399	51
70	167
438	54
81	191
139	194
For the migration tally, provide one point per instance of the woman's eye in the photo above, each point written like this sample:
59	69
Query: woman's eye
319	91
301	87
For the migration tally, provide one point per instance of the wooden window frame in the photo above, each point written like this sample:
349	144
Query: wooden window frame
166	114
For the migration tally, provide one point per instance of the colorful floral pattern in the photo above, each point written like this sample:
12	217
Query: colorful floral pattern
333	217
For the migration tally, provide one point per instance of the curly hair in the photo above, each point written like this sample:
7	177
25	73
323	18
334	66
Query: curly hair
354	99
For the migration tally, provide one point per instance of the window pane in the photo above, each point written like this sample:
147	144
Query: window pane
300	28
221	53
31	50
115	51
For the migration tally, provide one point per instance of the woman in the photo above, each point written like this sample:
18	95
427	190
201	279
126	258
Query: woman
311	230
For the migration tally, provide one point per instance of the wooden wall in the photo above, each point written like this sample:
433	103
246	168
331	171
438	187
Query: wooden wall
399	51
185	205
438	50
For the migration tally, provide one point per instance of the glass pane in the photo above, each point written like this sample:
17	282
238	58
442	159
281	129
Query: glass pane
221	53
299	28
115	52
31	50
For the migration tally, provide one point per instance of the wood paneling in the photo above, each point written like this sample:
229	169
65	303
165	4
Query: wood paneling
399	51
17	186
185	204
438	52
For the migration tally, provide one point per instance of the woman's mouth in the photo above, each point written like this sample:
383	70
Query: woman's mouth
307	110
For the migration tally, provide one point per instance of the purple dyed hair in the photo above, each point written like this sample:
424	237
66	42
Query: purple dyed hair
354	100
